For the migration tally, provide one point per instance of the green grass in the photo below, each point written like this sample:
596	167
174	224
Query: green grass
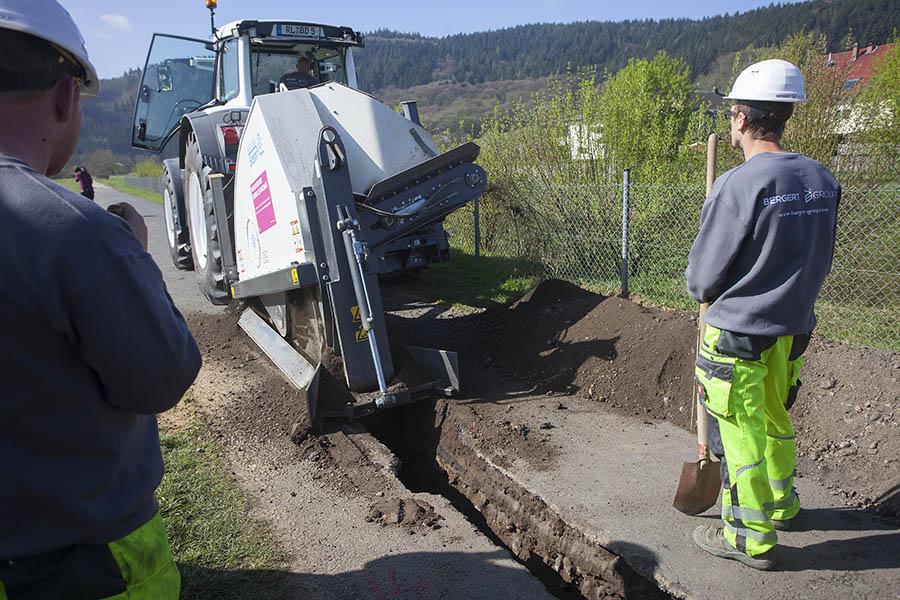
115	182
477	282
69	184
119	184
222	551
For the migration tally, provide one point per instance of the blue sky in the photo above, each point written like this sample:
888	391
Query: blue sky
117	32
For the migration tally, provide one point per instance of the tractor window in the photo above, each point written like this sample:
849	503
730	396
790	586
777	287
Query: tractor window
268	64
229	83
177	79
331	65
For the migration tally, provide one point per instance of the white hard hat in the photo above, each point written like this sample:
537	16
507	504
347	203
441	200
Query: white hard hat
47	20
772	80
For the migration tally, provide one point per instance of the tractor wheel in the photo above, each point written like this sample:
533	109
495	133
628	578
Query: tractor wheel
176	217
206	247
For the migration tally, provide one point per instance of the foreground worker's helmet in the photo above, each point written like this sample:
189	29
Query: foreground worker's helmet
772	80
47	20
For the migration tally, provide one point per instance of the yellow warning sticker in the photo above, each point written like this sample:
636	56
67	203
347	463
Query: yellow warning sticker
354	310
294	277
361	334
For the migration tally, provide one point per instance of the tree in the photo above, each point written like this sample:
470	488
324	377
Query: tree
812	130
644	112
882	97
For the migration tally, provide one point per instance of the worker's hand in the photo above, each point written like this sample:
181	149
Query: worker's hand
131	216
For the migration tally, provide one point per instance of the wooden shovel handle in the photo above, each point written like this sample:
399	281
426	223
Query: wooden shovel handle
711	156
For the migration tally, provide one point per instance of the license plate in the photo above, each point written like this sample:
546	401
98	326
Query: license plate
305	31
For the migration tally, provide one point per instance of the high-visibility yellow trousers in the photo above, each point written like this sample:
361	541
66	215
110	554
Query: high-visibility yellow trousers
745	382
138	566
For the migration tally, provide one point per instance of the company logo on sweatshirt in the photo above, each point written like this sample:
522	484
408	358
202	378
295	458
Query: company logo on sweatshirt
781	198
811	195
808	196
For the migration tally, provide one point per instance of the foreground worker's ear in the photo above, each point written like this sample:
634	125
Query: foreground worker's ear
66	93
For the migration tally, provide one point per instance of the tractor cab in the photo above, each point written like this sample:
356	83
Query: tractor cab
245	59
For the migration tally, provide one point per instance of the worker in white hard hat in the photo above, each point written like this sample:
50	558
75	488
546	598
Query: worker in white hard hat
765	245
92	345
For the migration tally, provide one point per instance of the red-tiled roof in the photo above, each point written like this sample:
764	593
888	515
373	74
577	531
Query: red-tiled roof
859	62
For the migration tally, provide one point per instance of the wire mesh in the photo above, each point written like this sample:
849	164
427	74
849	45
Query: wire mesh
574	233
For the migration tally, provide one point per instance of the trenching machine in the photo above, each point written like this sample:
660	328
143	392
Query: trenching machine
296	201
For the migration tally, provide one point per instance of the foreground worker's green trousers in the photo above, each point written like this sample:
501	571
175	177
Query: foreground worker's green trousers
747	397
140	564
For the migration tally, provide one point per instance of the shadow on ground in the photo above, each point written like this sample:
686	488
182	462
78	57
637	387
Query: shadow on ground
416	576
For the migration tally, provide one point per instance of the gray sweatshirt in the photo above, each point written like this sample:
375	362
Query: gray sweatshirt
92	347
765	245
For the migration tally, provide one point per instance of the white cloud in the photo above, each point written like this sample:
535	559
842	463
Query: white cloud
116	21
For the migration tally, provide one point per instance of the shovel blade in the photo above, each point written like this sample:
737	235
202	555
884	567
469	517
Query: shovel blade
698	487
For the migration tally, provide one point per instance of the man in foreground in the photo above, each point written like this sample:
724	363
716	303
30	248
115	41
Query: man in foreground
765	245
93	346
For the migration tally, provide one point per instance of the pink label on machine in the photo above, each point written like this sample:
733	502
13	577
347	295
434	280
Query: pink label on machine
262	202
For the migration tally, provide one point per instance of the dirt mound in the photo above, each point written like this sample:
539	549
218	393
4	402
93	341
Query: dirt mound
569	340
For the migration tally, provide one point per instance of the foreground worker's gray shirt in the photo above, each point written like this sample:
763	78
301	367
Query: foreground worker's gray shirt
765	245
92	347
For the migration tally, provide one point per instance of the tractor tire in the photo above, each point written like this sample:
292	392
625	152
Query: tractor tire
176	217
206	247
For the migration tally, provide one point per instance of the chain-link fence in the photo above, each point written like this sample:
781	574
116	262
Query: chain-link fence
148	184
576	233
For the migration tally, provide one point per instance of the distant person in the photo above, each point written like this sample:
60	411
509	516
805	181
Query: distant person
85	182
765	245
92	345
301	78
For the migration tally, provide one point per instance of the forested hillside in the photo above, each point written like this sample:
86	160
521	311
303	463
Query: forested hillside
537	50
462	77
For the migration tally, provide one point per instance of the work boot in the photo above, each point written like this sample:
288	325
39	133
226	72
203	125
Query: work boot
780	525
713	541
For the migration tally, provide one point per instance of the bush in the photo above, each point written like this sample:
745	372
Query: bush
147	168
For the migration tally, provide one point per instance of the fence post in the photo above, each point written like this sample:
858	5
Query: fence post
626	204
477	232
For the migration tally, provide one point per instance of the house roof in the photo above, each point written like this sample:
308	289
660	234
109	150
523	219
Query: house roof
714	98
860	63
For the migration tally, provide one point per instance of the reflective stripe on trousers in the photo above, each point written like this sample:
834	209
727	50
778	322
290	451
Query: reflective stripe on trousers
746	400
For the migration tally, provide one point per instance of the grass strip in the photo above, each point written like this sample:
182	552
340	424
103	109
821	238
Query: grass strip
478	282
118	183
222	550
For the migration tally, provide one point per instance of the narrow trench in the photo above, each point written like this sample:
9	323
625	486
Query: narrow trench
414	434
